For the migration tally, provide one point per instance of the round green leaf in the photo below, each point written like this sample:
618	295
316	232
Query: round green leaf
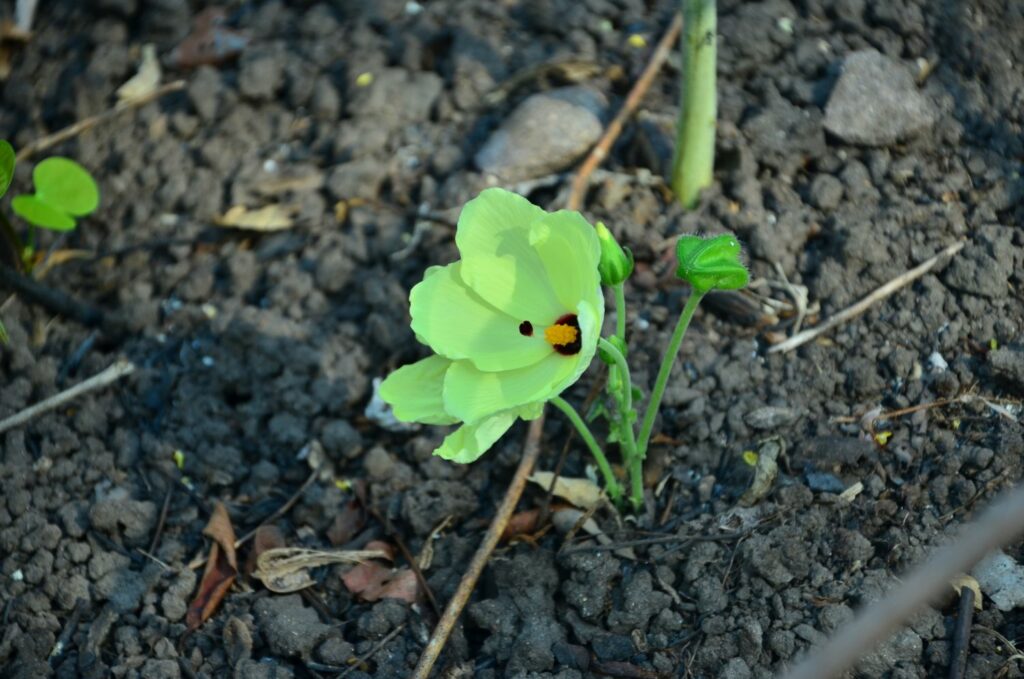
6	166
66	185
36	212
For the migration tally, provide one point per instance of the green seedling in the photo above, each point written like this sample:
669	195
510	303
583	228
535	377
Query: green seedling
694	159
517	320
64	192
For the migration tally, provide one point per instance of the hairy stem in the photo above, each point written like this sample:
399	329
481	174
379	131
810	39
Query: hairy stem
663	372
695	144
610	482
620	312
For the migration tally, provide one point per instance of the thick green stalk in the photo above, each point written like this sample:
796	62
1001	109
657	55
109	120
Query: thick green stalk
620	312
695	144
663	372
610	482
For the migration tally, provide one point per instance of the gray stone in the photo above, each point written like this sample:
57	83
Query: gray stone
736	668
547	132
261	75
875	102
290	628
1008	364
974	270
826	192
360	178
204	90
770	417
396	96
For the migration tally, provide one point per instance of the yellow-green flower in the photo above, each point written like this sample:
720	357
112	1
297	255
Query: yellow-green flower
512	323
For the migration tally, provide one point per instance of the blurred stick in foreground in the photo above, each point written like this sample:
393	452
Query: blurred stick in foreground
999	525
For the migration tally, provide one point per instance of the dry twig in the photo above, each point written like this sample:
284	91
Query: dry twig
531	450
614	129
75	129
112	374
860	307
1001	524
962	634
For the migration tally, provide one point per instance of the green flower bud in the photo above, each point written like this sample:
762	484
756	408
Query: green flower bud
711	263
615	342
616	263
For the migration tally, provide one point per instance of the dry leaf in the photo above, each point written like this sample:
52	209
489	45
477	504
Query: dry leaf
582	493
274	217
266	537
286	569
147	78
347	524
221	568
209	42
765	472
521	523
426	557
373	581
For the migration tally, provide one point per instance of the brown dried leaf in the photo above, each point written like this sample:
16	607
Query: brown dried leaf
582	493
221	568
521	523
287	569
209	42
372	581
273	217
266	537
347	524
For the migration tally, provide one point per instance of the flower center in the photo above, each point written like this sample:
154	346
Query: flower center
564	335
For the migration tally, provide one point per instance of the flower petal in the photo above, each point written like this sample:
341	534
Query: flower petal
414	391
470	441
456	323
498	262
570	251
471	394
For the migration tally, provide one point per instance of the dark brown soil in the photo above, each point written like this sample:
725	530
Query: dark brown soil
251	347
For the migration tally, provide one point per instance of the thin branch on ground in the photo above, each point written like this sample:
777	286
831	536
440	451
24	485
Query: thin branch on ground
531	451
75	129
874	297
962	634
52	300
162	520
614	129
119	369
68	633
1002	523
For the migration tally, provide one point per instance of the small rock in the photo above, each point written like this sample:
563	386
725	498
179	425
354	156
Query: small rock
160	669
1008	364
204	92
770	417
261	75
396	96
826	192
1001	578
135	518
736	668
361	178
977	272
875	102
326	102
547	132
290	628
335	651
613	647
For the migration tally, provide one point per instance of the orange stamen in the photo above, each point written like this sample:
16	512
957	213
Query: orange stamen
560	334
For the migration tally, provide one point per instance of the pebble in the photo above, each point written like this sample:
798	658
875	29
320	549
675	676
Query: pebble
875	102
290	628
546	133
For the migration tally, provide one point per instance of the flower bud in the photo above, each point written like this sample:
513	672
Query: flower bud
616	263
711	263
615	342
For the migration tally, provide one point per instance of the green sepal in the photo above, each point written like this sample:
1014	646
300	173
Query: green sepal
6	166
711	263
616	263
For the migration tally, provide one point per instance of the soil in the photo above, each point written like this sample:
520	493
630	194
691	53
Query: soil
251	347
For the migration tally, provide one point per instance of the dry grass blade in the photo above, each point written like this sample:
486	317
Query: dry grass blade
286	569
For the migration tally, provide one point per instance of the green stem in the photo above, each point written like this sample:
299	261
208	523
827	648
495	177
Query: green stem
625	427
663	372
695	144
620	312
610	482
